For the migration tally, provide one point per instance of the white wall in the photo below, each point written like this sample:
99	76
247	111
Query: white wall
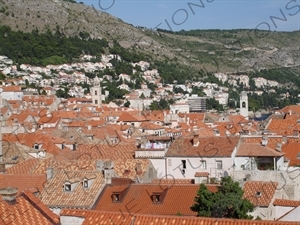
279	211
149	154
159	165
175	167
292	216
12	95
68	220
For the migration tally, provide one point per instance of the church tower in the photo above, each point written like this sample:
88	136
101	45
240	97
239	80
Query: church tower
244	105
96	93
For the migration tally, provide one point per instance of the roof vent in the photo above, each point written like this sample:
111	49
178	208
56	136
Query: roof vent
9	194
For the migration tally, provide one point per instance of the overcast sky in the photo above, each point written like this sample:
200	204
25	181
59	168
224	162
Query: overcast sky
206	14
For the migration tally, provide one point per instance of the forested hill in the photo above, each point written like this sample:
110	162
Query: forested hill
196	50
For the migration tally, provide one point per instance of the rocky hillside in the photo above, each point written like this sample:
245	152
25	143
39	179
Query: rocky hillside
210	50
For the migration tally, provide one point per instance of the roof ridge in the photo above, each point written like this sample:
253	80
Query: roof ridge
43	209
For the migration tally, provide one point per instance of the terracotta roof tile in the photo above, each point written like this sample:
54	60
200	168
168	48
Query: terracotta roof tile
55	194
286	202
25	167
126	117
107	151
285	126
130	218
201	174
255	149
27	210
259	193
295	109
292	152
22	181
11	89
207	147
140	196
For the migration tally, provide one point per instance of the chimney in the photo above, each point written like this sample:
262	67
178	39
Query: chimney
196	139
284	139
49	173
99	165
264	140
108	176
9	194
279	147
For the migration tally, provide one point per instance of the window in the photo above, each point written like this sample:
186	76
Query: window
116	197
156	198
258	193
203	164
183	164
85	183
243	104
219	165
96	92
68	187
96	101
36	146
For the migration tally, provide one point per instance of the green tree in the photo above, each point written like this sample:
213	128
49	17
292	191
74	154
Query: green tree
227	202
127	104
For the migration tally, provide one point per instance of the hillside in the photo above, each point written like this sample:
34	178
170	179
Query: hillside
196	51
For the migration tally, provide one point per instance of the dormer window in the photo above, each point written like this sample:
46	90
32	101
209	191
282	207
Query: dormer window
67	187
36	146
258	193
85	183
156	198
74	146
116	197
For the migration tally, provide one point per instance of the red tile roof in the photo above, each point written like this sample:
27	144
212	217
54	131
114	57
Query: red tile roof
54	194
292	152
201	174
11	89
126	117
295	109
284	126
25	167
207	147
286	202
259	193
28	209
255	149
107	151
139	197
131	218
23	181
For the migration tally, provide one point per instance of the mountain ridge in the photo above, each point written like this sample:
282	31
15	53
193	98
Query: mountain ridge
231	51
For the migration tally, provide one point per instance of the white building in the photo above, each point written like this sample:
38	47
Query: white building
244	104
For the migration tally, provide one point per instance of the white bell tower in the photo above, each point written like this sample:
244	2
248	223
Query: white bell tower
96	93
244	105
